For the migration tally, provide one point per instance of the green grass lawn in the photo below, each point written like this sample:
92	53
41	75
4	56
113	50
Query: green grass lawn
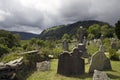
52	75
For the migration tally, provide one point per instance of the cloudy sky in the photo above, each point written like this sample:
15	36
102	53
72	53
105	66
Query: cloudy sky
37	15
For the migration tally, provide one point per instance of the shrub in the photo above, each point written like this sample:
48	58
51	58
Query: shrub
3	49
113	55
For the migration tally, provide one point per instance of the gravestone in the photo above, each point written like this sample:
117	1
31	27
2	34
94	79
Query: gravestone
102	48
43	66
100	75
78	66
64	63
99	61
84	41
82	48
113	45
65	45
71	63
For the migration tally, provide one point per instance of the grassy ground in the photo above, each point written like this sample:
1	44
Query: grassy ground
51	75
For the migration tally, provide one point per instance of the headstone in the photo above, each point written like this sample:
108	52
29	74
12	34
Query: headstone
43	66
71	63
81	34
102	48
82	48
100	75
84	41
78	66
113	45
65	45
101	39
99	61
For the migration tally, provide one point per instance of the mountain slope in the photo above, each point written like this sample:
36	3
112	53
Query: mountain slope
57	32
25	35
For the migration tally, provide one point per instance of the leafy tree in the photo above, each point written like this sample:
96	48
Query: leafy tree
94	31
107	31
3	49
8	39
65	36
117	29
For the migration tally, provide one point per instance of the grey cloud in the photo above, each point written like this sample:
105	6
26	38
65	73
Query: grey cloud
38	15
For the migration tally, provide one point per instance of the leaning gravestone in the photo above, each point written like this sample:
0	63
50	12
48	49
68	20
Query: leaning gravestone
100	75
65	45
99	61
71	63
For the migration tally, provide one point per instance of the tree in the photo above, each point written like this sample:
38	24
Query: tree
117	29
66	36
107	31
94	31
8	39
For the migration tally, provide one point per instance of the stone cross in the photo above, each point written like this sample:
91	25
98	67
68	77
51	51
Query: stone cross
84	40
102	48
81	34
101	39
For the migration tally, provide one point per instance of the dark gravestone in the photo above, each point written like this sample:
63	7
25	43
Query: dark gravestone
77	62
82	48
64	63
71	63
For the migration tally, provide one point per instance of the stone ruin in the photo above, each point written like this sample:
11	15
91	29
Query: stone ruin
8	70
99	61
100	75
71	63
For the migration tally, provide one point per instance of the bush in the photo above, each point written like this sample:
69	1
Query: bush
113	55
3	49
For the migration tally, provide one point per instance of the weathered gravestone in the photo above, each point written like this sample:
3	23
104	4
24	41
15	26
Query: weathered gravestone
71	63
65	45
100	75
113	45
43	66
99	61
82	48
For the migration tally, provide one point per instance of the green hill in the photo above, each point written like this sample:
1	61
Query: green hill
57	32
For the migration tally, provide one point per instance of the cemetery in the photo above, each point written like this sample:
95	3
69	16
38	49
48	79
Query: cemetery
77	59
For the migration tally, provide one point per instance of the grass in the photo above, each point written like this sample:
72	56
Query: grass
52	75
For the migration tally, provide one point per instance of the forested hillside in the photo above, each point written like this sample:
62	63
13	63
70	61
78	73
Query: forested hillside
57	32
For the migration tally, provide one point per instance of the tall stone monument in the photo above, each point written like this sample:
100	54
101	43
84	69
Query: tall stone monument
102	48
65	45
81	34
